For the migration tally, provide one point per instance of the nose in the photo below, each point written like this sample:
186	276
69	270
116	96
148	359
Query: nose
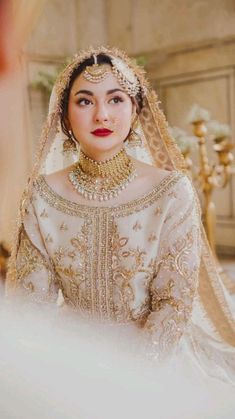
101	114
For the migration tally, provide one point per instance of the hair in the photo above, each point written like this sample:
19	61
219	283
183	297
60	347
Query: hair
101	59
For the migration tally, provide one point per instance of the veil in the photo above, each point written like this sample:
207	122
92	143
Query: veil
158	148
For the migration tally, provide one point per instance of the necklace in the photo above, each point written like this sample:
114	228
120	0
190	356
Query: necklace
102	180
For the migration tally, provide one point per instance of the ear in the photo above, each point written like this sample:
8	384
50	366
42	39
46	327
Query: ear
134	106
67	123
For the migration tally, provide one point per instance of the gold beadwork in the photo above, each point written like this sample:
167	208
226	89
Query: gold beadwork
102	180
122	210
125	76
96	73
69	146
138	71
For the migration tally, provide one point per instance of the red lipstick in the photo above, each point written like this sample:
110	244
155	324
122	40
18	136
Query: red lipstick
102	132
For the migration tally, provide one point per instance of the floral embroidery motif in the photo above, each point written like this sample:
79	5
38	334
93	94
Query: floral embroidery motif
48	239
125	273
172	194
176	293
29	260
44	214
70	265
63	226
158	211
137	226
152	237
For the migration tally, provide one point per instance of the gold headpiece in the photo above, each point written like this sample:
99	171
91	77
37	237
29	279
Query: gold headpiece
96	72
125	76
129	74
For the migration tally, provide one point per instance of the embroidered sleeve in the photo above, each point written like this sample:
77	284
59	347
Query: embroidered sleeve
34	275
175	281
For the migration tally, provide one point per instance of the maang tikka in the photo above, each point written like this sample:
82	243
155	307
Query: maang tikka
96	72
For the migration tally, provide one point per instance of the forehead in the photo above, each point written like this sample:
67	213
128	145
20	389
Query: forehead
110	82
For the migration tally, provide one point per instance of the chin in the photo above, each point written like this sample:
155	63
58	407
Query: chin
103	145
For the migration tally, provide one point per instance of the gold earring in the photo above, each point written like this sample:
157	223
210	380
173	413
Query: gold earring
69	145
134	139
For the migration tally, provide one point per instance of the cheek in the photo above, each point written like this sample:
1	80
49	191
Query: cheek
77	117
124	119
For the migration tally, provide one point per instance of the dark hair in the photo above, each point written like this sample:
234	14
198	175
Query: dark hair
101	59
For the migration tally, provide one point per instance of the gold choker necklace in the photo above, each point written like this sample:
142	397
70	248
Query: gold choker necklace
102	180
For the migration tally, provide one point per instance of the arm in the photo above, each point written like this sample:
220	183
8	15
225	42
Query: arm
33	276
175	281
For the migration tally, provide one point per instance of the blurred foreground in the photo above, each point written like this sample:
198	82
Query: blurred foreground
54	365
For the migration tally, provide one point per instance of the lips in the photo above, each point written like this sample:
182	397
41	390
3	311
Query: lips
102	132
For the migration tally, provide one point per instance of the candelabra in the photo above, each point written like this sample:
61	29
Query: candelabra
211	176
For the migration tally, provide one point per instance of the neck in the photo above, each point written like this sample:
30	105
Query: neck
110	167
102	156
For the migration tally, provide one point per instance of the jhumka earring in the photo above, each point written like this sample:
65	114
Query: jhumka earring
134	138
69	145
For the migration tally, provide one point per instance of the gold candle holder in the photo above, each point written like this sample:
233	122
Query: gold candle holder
211	176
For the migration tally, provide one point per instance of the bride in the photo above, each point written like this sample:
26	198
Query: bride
110	218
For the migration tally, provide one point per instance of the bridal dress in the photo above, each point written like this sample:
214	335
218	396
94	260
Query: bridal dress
144	261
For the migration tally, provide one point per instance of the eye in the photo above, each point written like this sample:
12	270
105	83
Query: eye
116	99
84	102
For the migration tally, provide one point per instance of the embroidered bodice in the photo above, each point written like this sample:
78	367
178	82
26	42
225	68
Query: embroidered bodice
137	261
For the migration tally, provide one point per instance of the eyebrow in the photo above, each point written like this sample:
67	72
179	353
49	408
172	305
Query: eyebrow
88	92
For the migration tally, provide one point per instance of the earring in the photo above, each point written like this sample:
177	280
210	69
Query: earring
134	138
69	145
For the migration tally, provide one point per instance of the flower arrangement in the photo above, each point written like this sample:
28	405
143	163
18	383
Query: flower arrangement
217	130
197	113
185	142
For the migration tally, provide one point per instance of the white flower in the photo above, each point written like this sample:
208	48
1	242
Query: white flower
218	130
183	140
197	113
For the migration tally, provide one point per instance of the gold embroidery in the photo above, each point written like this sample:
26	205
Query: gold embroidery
177	292
48	239
172	194
124	275
152	237
97	277
29	260
161	297
137	226
71	265
184	217
158	211
63	226
44	214
72	208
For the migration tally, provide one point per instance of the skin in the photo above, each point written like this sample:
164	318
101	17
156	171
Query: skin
105	104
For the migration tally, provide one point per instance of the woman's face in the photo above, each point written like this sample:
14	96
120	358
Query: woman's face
99	106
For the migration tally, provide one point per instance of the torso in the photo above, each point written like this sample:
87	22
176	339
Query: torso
104	258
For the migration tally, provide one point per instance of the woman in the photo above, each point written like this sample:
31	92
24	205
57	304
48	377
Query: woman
118	231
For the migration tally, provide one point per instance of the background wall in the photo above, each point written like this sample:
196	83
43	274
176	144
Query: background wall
189	47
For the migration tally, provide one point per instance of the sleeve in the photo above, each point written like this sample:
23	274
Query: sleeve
175	281
34	278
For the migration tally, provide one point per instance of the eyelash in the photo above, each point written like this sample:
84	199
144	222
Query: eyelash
87	101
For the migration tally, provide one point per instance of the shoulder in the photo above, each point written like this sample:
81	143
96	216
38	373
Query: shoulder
152	173
148	169
58	181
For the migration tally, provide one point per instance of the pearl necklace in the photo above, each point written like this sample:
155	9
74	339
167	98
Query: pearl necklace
102	180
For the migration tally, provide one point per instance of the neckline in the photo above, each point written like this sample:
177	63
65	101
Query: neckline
74	208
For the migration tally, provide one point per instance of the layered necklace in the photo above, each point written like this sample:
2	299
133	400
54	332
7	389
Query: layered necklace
102	180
